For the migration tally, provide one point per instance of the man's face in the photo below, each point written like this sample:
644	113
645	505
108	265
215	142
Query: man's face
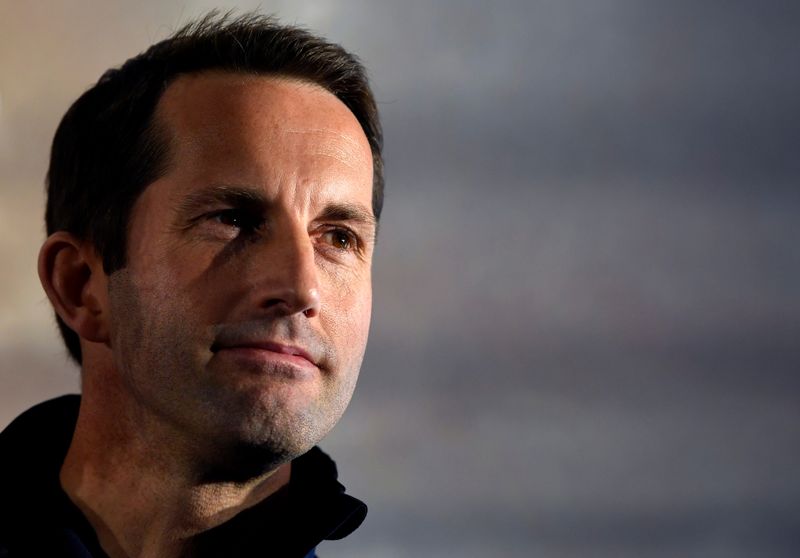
241	317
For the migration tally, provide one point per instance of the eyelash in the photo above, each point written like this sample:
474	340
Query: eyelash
249	224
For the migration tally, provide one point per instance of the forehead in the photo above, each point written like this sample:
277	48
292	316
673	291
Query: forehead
260	121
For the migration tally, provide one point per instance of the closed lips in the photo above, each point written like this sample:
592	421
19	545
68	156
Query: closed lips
267	346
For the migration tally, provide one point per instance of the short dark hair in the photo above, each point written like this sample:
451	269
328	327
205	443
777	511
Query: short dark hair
109	146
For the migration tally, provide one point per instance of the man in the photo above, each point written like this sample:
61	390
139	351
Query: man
212	211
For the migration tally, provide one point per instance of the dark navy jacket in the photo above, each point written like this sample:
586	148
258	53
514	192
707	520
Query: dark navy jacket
38	520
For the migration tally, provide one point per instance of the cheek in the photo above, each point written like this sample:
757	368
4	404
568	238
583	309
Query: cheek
183	277
349	312
361	314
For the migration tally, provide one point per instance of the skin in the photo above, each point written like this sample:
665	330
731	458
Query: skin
231	341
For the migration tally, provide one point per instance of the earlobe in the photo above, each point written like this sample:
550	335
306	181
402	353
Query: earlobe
72	275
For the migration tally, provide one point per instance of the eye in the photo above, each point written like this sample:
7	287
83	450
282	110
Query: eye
341	239
237	218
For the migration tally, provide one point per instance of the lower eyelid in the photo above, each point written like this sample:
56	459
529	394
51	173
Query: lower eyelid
219	230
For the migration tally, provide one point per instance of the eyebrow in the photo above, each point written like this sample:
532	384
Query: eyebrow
348	212
234	196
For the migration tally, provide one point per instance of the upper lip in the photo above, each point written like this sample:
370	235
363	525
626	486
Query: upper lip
273	346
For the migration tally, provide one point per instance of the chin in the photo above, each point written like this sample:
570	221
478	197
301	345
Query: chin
276	422
264	441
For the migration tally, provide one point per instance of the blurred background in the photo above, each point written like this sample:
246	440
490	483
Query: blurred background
586	334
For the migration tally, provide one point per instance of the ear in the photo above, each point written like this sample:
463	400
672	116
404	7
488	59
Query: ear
72	275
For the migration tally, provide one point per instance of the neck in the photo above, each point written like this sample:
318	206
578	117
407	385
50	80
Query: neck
144	493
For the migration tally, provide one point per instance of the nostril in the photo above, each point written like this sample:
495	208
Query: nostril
312	303
294	302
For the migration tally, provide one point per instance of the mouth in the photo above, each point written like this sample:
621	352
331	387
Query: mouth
270	351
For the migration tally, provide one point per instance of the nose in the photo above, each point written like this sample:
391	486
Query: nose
290	276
